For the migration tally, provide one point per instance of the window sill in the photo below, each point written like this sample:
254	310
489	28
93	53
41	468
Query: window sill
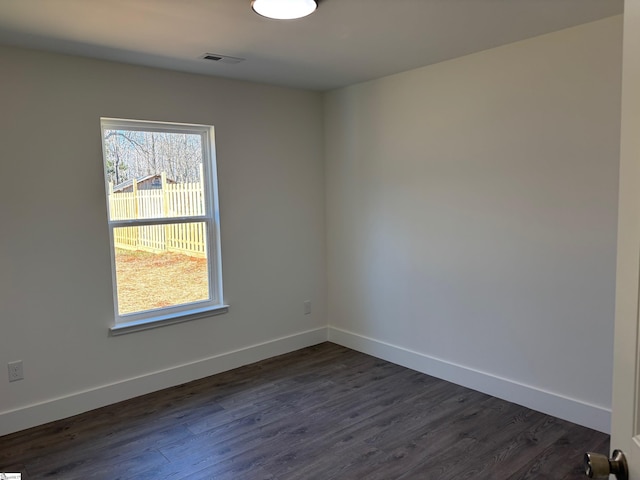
163	320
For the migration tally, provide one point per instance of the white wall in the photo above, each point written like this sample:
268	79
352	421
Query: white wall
472	219
55	272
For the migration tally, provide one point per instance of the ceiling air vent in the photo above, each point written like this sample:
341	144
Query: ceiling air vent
216	57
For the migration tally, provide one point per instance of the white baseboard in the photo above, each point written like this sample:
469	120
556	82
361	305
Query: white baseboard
592	416
576	411
83	401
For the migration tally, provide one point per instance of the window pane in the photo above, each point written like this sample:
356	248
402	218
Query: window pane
153	174
160	266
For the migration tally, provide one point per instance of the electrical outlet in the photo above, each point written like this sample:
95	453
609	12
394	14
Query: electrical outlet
307	307
15	371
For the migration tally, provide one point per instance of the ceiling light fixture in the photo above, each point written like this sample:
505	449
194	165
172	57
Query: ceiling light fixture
284	9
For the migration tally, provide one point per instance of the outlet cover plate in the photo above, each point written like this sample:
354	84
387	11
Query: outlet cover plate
15	371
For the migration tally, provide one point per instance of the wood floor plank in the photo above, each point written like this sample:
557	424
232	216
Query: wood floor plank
80	462
371	428
410	456
571	444
492	424
324	412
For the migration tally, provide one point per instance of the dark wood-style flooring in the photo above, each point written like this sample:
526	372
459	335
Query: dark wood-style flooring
324	412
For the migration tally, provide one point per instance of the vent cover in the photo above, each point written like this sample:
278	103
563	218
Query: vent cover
216	57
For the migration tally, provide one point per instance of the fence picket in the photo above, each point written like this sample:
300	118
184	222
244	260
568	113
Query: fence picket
172	200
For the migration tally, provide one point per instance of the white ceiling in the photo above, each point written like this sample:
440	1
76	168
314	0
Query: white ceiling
343	42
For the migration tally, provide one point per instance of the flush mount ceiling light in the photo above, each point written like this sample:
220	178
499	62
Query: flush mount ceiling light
284	9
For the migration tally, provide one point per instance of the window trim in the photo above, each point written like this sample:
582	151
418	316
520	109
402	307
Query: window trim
136	321
123	328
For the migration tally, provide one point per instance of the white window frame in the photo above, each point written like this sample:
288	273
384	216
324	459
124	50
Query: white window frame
178	313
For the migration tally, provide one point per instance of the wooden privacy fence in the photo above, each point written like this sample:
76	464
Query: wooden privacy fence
170	200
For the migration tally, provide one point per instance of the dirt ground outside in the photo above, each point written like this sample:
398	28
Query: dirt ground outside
148	281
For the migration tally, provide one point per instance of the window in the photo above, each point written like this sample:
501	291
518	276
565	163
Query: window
163	222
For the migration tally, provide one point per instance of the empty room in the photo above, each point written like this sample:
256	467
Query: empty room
332	239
